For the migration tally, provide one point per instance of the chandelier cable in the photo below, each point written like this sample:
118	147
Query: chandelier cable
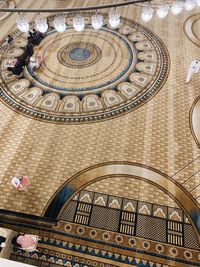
76	9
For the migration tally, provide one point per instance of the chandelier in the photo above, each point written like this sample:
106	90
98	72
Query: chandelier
41	24
97	21
59	22
190	4
177	7
114	19
22	24
147	13
162	11
78	23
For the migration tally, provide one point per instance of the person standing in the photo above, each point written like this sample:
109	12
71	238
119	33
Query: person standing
193	69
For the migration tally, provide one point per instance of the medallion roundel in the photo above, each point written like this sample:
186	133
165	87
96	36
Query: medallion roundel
86	76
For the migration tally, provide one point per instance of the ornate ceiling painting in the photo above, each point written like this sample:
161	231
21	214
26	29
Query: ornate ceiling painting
125	190
92	221
138	67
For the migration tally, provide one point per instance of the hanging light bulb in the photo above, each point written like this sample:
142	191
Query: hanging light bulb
41	24
22	24
190	4
78	23
177	7
97	22
114	19
147	13
163	11
59	24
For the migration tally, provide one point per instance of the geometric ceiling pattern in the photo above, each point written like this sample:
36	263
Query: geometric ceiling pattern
125	190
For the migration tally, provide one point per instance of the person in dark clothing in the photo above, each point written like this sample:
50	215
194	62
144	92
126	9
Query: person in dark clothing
24	56
32	34
18	68
30	48
38	38
28	52
9	39
31	40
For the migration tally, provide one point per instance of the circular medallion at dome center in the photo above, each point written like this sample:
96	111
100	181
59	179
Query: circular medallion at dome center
85	62
86	76
79	55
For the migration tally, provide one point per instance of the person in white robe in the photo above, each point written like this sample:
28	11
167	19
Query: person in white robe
33	63
21	183
193	69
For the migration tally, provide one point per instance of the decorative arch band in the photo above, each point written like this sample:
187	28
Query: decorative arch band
126	169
